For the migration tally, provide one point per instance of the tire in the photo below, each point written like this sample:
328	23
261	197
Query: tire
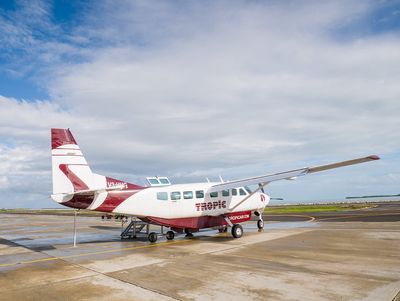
170	235
260	224
237	231
152	237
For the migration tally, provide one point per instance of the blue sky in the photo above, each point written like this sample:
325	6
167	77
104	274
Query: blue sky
200	89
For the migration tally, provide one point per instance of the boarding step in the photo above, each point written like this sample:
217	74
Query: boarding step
134	227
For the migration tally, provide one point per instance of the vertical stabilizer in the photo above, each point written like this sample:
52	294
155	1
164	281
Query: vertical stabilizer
70	170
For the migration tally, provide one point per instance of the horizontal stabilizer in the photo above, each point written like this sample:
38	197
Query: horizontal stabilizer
93	191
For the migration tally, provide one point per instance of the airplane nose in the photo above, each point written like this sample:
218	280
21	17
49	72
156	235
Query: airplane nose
265	198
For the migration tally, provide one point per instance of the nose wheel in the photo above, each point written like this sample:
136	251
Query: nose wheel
260	224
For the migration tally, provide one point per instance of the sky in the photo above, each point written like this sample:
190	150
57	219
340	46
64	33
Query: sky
196	89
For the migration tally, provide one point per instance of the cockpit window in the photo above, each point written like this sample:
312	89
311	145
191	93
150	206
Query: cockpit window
248	189
242	192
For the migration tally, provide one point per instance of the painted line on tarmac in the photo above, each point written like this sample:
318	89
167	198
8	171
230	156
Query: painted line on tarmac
356	215
46	230
95	253
311	218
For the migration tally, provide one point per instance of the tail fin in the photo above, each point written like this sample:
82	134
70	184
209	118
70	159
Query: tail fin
74	183
70	170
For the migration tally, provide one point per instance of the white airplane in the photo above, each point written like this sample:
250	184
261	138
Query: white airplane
183	207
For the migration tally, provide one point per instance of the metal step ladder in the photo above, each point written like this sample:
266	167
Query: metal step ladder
135	226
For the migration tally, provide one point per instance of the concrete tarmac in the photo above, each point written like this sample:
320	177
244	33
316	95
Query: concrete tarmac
352	255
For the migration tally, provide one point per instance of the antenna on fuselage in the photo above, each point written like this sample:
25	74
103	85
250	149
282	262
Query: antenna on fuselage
222	180
208	180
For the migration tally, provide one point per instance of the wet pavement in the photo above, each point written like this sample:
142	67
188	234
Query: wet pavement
354	256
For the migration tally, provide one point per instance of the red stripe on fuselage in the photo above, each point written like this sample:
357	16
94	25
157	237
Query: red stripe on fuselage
79	201
113	199
200	221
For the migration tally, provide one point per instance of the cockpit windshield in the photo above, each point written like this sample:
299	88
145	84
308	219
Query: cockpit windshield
248	189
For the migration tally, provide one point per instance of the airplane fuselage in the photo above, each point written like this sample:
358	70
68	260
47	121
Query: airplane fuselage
188	200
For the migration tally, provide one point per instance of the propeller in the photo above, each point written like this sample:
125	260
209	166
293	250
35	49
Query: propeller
261	186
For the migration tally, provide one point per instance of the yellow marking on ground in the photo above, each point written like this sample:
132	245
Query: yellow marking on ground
311	218
95	253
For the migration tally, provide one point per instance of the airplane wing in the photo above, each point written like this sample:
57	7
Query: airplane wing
287	175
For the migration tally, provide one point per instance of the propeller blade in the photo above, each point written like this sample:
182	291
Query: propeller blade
261	187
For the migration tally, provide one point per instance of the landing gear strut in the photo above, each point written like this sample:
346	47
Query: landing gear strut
223	229
188	233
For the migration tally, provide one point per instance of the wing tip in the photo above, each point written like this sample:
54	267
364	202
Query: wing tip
374	157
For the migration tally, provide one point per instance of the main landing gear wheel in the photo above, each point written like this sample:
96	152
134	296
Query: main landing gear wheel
260	224
152	237
170	235
237	231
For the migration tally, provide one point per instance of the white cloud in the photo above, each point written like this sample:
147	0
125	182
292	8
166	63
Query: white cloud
232	89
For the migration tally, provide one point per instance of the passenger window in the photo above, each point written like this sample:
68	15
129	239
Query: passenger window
214	194
176	195
199	194
225	192
188	195
162	196
234	191
242	192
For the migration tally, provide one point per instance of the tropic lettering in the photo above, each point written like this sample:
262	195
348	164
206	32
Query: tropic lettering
210	205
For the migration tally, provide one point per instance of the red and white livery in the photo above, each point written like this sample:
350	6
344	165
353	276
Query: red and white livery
183	207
